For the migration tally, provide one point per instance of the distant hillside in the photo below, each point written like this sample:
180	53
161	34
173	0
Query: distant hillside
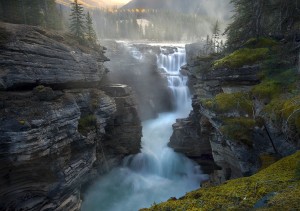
85	3
203	7
179	5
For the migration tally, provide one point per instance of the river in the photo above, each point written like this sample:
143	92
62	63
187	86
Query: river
157	173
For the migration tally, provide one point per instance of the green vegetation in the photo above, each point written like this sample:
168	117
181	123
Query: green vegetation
90	32
260	43
268	89
297	171
241	57
86	124
240	102
257	18
32	12
40	88
22	122
77	27
239	129
244	193
267	160
4	36
285	110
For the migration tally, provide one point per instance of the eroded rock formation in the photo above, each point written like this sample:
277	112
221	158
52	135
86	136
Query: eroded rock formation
59	129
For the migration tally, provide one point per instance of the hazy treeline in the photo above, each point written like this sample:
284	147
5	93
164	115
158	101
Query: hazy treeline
44	13
159	25
131	24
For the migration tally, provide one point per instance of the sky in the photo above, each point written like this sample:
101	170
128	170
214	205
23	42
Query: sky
96	3
113	2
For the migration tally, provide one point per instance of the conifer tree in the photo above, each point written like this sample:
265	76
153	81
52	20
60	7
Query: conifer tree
77	21
216	36
90	32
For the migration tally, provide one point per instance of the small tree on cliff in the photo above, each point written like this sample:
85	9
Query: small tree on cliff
216	36
90	32
77	21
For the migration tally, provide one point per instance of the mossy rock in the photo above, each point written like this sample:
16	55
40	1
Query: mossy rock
86	124
267	160
268	89
44	93
241	57
224	103
285	109
239	129
244	193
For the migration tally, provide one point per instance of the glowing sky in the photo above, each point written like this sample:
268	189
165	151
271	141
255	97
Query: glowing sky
114	2
96	3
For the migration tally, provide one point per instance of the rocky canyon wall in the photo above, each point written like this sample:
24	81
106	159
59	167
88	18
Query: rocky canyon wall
60	127
227	132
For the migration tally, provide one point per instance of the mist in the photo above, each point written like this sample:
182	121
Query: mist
169	20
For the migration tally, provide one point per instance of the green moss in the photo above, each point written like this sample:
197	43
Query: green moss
40	88
276	82
283	109
291	111
86	124
260	43
291	106
241	57
267	160
240	102
243	193
208	58
297	171
22	122
239	129
267	89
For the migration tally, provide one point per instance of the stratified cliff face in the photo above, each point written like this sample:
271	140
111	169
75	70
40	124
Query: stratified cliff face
228	132
58	128
32	56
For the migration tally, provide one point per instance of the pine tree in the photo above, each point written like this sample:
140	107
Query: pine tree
216	36
90	32
77	21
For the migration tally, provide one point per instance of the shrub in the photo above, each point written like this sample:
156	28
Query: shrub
241	57
86	124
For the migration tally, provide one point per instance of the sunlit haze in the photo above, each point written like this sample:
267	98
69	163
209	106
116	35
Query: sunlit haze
117	1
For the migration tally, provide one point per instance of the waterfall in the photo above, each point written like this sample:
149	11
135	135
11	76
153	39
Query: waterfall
157	173
171	64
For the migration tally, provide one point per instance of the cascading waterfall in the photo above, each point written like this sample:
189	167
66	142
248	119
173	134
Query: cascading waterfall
157	173
171	64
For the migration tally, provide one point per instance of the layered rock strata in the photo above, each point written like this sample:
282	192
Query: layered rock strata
65	132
